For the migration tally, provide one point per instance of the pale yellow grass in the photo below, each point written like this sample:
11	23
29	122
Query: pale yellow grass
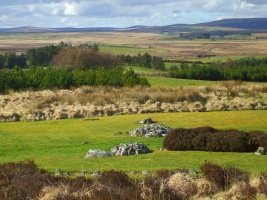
106	101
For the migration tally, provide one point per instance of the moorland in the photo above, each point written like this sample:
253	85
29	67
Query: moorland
56	126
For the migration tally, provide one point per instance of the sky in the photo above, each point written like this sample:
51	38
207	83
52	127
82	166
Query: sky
124	13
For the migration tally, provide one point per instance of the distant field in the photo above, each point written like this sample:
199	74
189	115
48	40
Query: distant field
172	82
133	43
125	49
54	144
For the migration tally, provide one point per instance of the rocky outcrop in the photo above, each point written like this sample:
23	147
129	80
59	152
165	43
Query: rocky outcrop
129	149
119	150
150	130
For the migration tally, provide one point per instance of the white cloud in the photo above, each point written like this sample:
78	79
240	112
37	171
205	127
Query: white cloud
70	8
123	13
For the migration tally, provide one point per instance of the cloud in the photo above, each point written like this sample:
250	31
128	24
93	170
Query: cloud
124	12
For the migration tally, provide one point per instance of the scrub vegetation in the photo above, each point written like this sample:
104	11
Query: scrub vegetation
59	101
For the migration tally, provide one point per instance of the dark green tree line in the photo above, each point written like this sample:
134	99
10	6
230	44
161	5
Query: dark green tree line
39	78
246	69
10	60
145	60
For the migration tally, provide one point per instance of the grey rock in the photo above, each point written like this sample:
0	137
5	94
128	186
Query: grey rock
138	151
97	153
118	153
129	149
118	133
147	120
151	130
145	172
96	173
260	151
82	173
57	172
124	153
192	171
85	142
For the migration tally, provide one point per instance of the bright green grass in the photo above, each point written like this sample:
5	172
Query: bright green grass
169	64
223	58
124	49
173	82
142	70
55	144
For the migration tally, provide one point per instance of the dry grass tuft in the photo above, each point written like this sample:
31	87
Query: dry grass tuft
205	188
105	100
183	185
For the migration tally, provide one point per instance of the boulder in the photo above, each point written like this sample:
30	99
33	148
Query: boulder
145	172
260	151
57	172
96	173
147	120
97	153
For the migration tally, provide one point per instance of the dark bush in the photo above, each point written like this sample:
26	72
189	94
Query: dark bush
115	185
153	190
223	177
210	139
21	180
164	174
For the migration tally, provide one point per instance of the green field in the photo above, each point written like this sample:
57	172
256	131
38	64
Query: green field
173	82
54	144
124	49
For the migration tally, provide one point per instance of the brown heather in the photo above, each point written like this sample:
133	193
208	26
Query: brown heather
24	180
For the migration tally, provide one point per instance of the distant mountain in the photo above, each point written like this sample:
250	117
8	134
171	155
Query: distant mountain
30	29
244	23
26	29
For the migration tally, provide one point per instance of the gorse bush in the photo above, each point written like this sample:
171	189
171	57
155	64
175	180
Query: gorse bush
210	139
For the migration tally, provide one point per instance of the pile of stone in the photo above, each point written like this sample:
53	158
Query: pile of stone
151	130
97	153
129	149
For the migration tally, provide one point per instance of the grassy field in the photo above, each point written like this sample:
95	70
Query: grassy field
173	82
124	49
134	43
55	144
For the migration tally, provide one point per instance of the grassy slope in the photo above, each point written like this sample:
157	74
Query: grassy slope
55	144
172	82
